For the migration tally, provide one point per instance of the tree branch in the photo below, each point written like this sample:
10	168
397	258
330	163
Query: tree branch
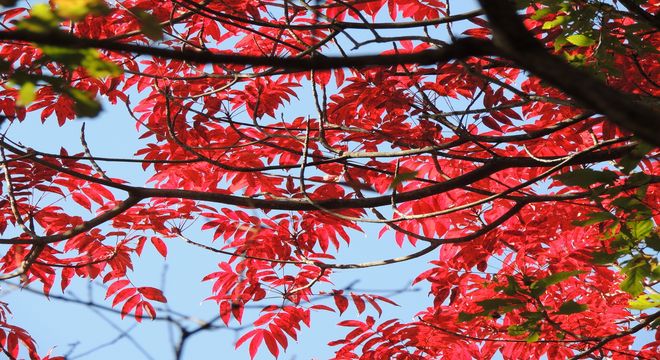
460	49
516	43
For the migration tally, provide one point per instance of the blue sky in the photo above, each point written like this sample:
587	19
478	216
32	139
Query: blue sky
57	323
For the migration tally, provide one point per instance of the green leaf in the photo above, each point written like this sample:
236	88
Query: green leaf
554	23
89	59
533	337
541	13
575	59
653	241
622	241
27	93
149	24
580	40
629	204
67	56
512	287
638	179
640	229
463	316
516	330
500	304
85	105
560	41
571	307
586	177
99	68
538	287
636	272
645	301
595	218
41	20
401	177
630	161
78	9
655	273
603	258
533	317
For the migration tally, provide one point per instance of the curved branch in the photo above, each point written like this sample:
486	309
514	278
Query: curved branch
462	48
491	167
648	320
79	229
516	43
642	14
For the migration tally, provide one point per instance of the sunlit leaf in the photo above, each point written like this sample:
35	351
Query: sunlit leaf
27	93
580	40
78	9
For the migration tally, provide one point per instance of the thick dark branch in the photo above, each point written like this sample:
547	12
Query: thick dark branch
385	200
516	43
479	173
632	6
460	49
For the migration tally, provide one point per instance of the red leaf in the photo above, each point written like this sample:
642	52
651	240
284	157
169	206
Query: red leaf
116	286
279	335
159	245
149	309
152	294
491	123
351	323
225	311
264	319
246	336
123	295
130	304
82	200
93	195
322	307
359	303
255	342
237	311
341	302
100	189
271	343
67	274
12	344
140	245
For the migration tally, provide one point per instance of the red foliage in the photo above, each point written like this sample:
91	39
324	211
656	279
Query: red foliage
313	158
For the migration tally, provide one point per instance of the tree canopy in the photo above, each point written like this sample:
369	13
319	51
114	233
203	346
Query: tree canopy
514	141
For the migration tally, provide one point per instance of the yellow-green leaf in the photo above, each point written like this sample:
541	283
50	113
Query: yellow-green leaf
98	68
41	20
554	23
27	93
533	337
645	301
89	59
580	40
78	9
516	330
